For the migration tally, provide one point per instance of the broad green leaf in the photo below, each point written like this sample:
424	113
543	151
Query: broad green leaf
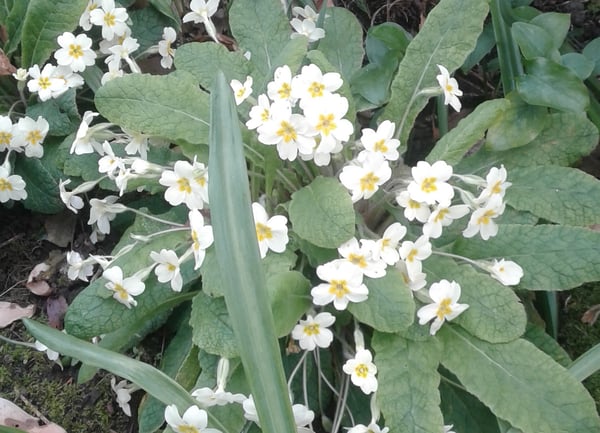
567	138
322	213
408	383
147	27
166	8
533	40
169	106
204	60
212	326
14	18
261	27
485	43
538	336
516	126
579	64
592	52
556	25
513	380
447	37
553	257
343	41
559	194
452	146
495	313
546	83
44	22
293	54
61	114
390	307
386	40
372	82
289	293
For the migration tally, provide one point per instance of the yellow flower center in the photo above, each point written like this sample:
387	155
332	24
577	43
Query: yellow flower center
171	267
263	232
449	88
312	329
414	204
33	137
184	185
5	138
286	131
240	93
411	256
75	51
368	182
200	180
385	242
326	124
109	19
428	184
284	91
496	189
444	308
184	428
485	218
5	185
380	146
316	89
441	214
121	292
357	260
264	115
361	371
195	240
44	82
338	288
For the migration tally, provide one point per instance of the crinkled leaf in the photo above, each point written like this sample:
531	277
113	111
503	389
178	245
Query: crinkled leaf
408	383
169	106
289	293
44	22
538	336
447	37
559	194
212	326
553	257
147	26
390	307
512	379
495	313
322	213
61	113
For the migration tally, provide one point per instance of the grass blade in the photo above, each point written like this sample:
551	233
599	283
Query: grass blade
587	364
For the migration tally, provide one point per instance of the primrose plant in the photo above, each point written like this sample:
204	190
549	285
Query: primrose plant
316	282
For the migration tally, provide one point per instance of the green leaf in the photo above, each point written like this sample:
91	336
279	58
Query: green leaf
533	40
14	18
557	25
447	37
373	81
592	52
169	106
212	326
293	54
452	146
289	293
261	27
390	307
538	336
61	114
166	8
567	138
578	63
552	257
322	213
513	380
205	60
485	43
147	26
546	83
495	313
587	364
516	126
408	383
562	195
343	42
45	20
386	40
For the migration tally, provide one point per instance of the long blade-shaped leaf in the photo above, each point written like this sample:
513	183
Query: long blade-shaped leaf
244	284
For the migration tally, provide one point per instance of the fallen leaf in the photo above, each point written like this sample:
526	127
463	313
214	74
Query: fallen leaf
38	272
6	68
10	312
56	308
12	415
591	315
60	228
40	288
36	281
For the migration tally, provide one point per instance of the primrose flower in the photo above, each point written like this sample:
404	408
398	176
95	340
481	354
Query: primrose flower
371	428
70	198
280	89
31	133
429	183
68	78
7	136
112	19
413	253
312	84
202	236
259	114
125	288
21	74
443	216
207	397
85	138
75	51
364	179
312	332
344	284
51	354
496	184
184	185
306	28
241	91
450	88
270	232
306	12
381	141
122	51
361	257
445	306
43	83
84	20
102	212
123	391
12	187
194	420
168	268
250	412
415	282
201	12
302	415
114	71
110	163
413	209
482	220
386	248
362	371
507	272
448	428
165	49
79	268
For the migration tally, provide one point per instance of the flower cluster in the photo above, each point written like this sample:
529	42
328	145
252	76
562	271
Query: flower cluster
304	23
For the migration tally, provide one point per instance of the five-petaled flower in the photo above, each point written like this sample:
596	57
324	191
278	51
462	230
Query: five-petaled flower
75	51
312	332
362	371
271	233
450	88
12	186
168	269
125	288
194	420
429	183
344	284
445	306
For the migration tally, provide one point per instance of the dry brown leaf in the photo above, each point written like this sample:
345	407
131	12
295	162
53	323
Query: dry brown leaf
12	415
10	312
36	281
591	315
56	308
60	228
6	68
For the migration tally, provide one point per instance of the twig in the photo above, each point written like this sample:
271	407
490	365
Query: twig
31	407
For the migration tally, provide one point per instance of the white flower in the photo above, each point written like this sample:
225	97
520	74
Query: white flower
72	201
305	12
362	371
122	51
208	397
43	83
445	306
84	20
306	28
361	257
125	288
68	78
250	412
110	163
75	51
86	137
12	187
280	89
312	332
102	212
448	428
386	248
21	74
450	88
312	84
194	420
51	354
79	268
413	209
137	143
271	233
165	49
443	216
482	220
364	179
123	391
114	71
186	184
371	428
201	12
413	253
302	415
429	184
112	19
7	135
31	133
202	236
507	272
344	284
241	91
414	283
381	141
259	114
496	184
168	268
